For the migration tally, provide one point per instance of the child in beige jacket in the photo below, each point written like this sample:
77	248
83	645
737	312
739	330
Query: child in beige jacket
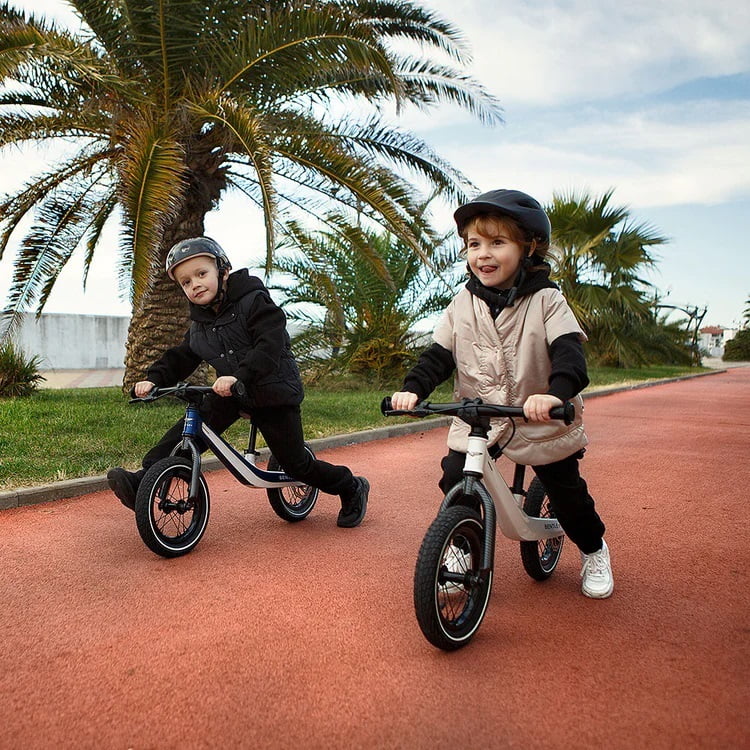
510	337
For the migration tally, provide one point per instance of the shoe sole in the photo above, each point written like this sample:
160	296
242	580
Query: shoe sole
597	595
358	520
122	489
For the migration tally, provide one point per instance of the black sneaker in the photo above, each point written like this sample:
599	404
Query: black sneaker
125	485
353	508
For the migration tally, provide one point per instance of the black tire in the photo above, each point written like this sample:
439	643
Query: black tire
169	524
291	503
449	613
540	558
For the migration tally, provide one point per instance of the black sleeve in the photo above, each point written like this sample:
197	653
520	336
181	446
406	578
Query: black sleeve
434	365
174	365
266	322
568	376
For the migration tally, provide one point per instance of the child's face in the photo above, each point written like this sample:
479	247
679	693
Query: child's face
493	259
199	279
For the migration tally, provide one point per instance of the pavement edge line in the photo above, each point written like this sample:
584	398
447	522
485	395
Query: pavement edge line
69	488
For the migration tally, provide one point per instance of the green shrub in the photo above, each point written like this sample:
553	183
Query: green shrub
738	348
19	375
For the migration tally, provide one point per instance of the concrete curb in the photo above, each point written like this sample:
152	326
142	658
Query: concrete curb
75	487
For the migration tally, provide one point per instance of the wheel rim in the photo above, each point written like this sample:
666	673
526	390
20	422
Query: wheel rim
174	517
296	498
549	549
457	602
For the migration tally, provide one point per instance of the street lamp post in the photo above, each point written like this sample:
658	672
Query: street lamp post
694	315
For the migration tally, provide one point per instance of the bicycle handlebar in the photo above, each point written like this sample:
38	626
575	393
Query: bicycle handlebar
473	408
184	390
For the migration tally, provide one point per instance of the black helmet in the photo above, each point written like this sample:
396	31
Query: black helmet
192	248
527	211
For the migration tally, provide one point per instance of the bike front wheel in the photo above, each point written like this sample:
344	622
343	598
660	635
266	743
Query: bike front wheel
540	558
169	522
450	594
292	503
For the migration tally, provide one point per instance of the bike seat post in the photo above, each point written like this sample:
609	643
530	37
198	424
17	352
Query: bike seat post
519	474
251	454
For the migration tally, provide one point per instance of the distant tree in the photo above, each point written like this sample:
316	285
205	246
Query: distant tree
358	294
738	348
171	104
599	257
746	312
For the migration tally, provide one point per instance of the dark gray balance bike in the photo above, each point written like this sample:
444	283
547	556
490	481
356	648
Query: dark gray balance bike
172	505
453	574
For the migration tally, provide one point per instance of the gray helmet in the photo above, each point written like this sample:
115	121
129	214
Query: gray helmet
192	248
527	211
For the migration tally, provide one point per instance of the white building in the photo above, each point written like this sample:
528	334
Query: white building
713	339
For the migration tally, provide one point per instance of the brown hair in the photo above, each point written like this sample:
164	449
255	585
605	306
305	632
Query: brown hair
487	226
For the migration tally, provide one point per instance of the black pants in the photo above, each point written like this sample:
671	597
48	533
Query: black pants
567	491
281	426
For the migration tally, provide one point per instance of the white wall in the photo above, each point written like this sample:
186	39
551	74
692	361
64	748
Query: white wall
72	342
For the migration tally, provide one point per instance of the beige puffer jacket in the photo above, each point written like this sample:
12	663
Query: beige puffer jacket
506	360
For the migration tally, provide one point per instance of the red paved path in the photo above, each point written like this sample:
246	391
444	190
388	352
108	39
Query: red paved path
275	636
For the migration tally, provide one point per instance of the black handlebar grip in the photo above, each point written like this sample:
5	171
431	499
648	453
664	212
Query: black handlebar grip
566	412
238	389
386	406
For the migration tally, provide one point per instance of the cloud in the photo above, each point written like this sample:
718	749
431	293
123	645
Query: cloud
553	52
679	154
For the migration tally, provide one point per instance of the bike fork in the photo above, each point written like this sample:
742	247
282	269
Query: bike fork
191	430
473	487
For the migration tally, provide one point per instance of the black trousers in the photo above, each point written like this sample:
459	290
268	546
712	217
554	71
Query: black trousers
281	426
568	496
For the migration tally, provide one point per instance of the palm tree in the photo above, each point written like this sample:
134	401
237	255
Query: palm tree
358	294
173	103
599	259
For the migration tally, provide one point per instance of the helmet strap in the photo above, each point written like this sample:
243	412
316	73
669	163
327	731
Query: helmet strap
526	263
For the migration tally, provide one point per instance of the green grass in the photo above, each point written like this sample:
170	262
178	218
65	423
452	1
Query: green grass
65	434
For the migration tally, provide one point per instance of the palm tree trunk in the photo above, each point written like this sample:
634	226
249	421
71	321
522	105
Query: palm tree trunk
161	316
158	323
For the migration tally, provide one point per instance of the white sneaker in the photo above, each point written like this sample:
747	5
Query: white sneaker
456	561
596	572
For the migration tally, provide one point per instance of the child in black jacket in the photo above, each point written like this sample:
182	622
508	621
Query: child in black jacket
241	333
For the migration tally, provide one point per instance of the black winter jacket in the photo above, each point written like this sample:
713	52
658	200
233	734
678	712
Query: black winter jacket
246	338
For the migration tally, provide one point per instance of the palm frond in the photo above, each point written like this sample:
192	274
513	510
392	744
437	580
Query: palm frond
404	20
154	180
15	207
61	223
250	138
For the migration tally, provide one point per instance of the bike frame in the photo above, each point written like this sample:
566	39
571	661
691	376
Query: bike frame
500	504
242	468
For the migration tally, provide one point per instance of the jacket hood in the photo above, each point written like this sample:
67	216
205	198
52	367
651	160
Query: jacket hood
239	283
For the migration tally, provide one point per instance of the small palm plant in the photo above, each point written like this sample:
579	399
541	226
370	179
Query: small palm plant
357	295
19	375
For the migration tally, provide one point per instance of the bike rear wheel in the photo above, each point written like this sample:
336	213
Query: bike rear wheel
450	596
169	523
540	558
292	503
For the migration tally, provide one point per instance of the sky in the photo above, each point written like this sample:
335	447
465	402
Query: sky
650	98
